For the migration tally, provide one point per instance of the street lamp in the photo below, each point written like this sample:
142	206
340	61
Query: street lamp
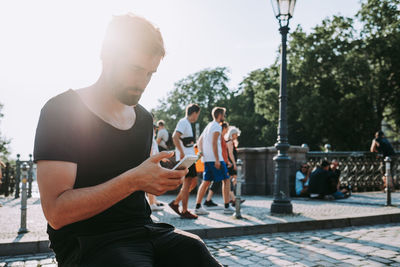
283	10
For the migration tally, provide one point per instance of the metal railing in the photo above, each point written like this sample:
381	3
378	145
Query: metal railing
363	171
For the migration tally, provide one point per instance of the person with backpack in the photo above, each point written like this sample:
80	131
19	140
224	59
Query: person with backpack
184	141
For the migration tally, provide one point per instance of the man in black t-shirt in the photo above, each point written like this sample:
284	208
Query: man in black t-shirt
319	185
381	145
92	149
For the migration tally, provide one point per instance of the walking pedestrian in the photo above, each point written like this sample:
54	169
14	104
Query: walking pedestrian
215	168
232	143
216	185
162	136
184	141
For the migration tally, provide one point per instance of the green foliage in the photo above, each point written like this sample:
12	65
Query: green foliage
207	88
4	142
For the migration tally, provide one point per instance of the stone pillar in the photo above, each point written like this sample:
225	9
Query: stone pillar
259	171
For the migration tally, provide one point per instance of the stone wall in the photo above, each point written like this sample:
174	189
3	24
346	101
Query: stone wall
259	168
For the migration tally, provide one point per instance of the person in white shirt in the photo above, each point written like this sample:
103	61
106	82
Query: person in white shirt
183	138
162	136
214	166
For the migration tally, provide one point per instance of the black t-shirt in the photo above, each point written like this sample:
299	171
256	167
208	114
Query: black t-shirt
319	182
69	131
384	147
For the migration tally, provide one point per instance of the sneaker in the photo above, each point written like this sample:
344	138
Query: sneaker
233	203
188	215
174	207
329	197
201	211
154	207
210	203
229	210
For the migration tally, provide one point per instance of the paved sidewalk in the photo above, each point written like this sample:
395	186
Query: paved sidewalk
360	209
355	246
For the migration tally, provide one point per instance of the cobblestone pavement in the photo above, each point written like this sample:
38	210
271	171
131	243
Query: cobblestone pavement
361	246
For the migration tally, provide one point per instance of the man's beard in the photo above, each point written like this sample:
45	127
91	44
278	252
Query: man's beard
127	98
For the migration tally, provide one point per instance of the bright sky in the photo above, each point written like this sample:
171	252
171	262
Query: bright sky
50	46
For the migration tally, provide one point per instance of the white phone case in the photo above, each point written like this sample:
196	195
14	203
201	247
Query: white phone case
186	162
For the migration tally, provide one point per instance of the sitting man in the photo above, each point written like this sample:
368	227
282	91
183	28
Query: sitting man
334	181
92	150
319	186
302	180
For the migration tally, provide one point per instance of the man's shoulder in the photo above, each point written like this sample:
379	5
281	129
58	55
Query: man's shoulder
65	104
62	99
215	126
143	113
184	120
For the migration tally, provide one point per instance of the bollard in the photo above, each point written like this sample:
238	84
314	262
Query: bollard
24	171
30	176
239	165
6	182
388	181
17	176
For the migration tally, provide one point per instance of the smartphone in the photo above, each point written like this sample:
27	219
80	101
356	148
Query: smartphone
186	162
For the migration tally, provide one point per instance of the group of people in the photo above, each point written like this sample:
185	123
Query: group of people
321	183
217	148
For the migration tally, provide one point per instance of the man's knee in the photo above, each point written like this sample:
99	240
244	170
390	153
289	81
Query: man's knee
189	239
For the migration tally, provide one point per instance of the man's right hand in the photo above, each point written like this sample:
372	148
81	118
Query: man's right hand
150	177
218	165
182	155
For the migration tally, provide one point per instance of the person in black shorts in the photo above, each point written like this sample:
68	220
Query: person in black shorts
92	149
184	141
232	143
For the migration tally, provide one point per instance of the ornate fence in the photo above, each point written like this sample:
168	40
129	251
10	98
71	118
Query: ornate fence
7	187
362	170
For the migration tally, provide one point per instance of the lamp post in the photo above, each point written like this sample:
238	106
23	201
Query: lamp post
283	10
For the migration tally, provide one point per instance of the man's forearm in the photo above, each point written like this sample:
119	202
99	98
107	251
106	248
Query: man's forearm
177	143
79	204
215	150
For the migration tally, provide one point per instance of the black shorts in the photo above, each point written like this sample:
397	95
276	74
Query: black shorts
192	171
231	171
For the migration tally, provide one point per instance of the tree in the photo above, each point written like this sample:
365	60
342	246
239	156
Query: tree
4	142
341	81
207	88
256	108
381	46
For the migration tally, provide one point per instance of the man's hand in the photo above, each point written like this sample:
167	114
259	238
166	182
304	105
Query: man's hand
150	177
182	155
218	165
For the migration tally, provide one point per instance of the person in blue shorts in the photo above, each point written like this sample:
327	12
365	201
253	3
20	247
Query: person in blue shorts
214	166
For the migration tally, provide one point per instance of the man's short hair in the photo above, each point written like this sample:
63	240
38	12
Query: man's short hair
160	123
130	31
379	134
324	164
217	111
192	108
